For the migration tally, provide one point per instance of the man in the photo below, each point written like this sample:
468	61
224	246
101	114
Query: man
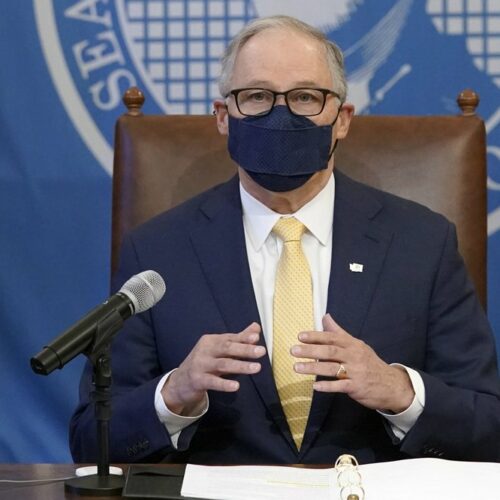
352	324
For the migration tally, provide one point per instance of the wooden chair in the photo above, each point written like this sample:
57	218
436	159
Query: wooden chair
439	161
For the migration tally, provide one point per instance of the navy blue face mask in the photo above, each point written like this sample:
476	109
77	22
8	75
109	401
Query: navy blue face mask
280	151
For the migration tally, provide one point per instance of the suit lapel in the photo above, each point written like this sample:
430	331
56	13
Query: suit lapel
358	240
219	242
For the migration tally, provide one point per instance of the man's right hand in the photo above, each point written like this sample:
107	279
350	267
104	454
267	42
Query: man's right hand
213	357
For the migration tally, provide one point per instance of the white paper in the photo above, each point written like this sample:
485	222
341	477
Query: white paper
255	482
405	479
431	478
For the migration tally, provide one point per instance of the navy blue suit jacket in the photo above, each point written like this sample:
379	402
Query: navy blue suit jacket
413	304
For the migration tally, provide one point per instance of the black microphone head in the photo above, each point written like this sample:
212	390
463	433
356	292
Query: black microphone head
144	290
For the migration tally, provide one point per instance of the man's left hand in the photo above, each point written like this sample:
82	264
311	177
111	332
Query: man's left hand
370	381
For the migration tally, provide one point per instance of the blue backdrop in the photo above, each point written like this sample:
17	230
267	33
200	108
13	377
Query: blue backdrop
65	65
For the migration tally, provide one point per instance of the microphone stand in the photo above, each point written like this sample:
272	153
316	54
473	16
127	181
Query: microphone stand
103	483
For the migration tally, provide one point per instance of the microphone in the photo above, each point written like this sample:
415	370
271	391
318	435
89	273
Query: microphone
138	294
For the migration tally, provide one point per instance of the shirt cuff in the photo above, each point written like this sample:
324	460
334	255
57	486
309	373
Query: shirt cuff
401	423
174	423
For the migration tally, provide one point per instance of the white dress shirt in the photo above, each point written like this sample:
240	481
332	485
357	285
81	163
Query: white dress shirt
264	250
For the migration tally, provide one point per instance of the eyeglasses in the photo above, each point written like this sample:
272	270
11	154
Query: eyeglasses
301	101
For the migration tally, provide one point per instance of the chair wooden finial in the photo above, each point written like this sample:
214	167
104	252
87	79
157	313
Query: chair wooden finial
133	98
468	101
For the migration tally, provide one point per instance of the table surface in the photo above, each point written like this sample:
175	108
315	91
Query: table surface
54	475
53	490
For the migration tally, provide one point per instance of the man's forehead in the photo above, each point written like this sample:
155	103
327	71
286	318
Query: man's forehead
282	53
256	82
282	37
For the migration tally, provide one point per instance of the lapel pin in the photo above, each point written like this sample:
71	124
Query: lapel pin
354	267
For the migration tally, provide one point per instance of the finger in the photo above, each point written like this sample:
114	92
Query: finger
215	383
319	338
343	340
228	347
323	369
332	333
227	366
339	386
322	352
198	383
330	325
250	334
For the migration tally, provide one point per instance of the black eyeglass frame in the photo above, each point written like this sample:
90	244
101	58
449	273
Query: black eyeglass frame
275	94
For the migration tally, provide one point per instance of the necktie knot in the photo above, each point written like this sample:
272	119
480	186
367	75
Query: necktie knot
289	229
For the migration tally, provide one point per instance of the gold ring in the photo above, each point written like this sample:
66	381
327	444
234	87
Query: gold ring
341	372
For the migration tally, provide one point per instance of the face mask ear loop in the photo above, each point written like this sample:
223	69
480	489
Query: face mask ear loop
336	140
333	149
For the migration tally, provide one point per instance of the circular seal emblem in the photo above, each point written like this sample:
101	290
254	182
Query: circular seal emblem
96	49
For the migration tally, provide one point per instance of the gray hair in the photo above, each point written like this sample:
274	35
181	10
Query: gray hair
334	56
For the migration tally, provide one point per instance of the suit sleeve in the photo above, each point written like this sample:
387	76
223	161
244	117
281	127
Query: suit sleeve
461	418
136	433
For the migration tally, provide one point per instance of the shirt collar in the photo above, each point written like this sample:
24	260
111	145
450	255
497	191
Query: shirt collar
317	215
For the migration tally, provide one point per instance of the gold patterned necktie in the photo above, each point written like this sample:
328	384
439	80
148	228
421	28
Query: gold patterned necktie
292	313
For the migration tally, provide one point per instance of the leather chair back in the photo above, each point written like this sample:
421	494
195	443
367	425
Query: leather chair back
439	161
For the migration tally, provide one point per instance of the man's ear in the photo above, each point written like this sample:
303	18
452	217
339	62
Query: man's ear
221	115
345	116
